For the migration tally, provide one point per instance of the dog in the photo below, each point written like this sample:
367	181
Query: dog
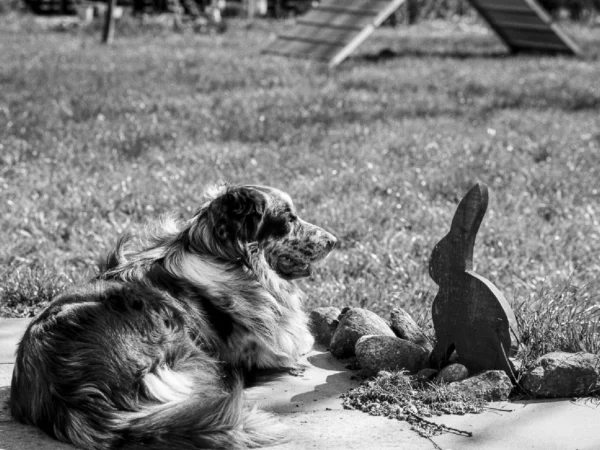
153	353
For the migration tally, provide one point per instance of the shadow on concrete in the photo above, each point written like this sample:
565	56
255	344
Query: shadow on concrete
322	359
16	436
319	387
334	387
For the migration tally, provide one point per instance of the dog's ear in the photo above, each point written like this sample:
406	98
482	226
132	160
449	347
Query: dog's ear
237	213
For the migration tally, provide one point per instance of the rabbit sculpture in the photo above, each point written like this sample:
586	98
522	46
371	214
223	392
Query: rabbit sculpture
470	315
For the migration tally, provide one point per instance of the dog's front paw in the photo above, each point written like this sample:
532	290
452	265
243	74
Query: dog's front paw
306	343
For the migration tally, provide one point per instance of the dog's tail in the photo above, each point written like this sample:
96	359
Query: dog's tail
193	421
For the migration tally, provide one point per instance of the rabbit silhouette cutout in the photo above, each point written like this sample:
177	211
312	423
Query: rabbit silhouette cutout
470	315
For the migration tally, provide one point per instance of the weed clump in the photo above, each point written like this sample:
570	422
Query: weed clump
27	290
400	396
561	319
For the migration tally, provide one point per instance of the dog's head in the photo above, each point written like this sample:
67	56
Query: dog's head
265	216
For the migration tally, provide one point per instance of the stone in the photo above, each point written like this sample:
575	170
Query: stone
376	353
426	374
451	373
323	322
404	326
491	385
561	374
354	324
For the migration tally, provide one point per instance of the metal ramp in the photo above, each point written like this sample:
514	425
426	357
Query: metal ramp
523	25
333	29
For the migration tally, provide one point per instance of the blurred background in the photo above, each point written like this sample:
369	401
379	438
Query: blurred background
97	139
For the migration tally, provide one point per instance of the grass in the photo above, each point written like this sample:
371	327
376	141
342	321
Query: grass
563	319
94	140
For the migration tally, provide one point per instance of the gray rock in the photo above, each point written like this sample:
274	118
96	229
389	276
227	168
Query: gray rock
405	327
491	385
452	373
376	353
354	324
561	374
323	322
426	374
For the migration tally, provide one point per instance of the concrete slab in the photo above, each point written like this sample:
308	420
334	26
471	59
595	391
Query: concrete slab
310	406
11	331
527	425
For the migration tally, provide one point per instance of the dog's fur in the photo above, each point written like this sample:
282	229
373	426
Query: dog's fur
151	354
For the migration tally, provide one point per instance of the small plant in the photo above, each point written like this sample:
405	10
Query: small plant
400	396
565	319
27	290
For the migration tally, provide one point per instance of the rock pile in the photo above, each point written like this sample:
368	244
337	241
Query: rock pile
400	344
404	326
355	323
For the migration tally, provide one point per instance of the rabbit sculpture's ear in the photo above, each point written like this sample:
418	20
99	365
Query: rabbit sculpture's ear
465	224
455	251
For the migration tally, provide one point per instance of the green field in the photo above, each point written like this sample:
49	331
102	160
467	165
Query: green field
95	140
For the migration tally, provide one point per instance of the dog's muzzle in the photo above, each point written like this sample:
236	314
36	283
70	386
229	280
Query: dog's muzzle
293	268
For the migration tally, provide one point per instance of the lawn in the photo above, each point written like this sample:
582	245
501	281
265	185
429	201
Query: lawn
95	140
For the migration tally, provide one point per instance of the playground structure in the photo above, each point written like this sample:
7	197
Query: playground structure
332	30
273	8
70	7
49	7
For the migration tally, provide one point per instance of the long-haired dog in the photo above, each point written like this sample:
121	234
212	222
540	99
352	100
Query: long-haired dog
151	354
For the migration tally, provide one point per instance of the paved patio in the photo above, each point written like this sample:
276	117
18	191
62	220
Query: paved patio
310	406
